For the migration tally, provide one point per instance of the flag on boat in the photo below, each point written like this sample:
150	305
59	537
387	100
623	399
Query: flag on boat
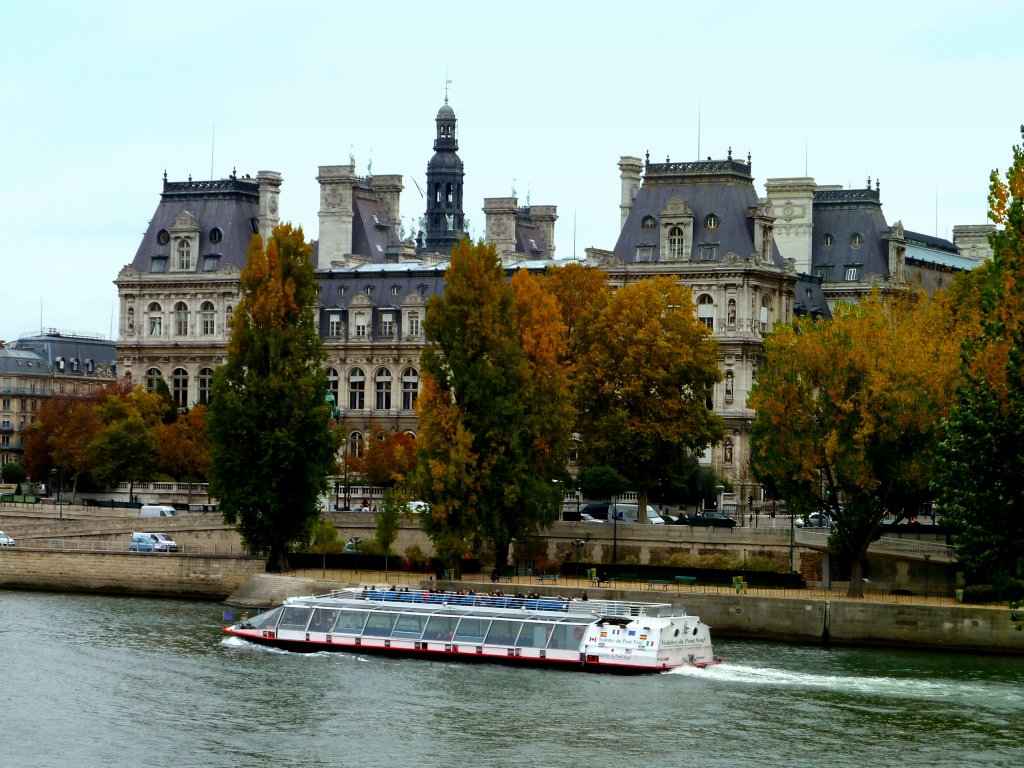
228	616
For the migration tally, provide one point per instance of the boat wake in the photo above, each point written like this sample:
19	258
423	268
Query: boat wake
892	687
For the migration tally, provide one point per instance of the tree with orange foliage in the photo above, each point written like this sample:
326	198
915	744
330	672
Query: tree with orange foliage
643	377
493	408
183	448
386	460
273	445
981	478
849	414
60	438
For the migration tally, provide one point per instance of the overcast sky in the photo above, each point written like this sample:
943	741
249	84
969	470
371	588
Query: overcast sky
98	99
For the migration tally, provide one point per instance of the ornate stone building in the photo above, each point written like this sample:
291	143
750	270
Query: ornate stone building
177	295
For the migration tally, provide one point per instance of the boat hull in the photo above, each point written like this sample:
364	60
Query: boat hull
457	652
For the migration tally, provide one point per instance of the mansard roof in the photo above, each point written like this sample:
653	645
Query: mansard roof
373	234
384	285
229	206
20	362
55	346
724	188
850	229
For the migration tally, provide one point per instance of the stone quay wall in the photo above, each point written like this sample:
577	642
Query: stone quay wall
212	577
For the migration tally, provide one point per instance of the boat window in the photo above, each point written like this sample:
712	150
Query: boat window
323	619
564	636
295	617
534	635
350	622
503	632
409	625
440	628
379	624
472	630
264	620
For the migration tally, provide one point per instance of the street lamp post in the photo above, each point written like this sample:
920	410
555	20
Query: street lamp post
616	516
578	543
927	557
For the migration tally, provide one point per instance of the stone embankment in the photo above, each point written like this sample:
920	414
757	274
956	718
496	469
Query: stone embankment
813	619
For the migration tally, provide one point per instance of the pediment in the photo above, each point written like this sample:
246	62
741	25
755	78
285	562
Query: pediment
675	208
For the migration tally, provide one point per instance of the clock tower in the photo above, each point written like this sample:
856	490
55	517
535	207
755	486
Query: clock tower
445	225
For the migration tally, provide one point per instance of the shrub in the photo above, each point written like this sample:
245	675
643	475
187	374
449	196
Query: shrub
415	559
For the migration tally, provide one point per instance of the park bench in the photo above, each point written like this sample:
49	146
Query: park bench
685	580
548	577
663	583
627	577
506	575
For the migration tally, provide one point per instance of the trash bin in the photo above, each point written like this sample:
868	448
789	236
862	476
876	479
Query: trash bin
959	594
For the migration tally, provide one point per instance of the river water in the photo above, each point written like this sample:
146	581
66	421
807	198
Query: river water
106	681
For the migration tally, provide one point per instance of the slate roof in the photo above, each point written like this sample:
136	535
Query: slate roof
722	187
841	215
54	347
22	362
231	204
372	234
386	285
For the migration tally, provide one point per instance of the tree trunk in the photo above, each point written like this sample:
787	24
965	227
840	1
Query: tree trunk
501	555
277	562
641	506
856	577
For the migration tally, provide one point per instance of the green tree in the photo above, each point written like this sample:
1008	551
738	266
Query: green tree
849	414
12	472
602	482
324	540
273	445
124	446
491	435
981	477
643	381
389	520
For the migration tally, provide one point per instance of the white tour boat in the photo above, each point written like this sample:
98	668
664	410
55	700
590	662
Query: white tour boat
592	635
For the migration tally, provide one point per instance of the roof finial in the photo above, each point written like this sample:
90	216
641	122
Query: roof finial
748	158
447	82
869	182
730	153
165	175
878	185
667	159
647	158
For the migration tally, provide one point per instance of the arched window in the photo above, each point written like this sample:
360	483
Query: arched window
382	386
156	319
153	379
204	381
333	381
410	388
207	318
179	387
437	192
449	193
356	444
356	389
675	243
184	254
706	310
181	319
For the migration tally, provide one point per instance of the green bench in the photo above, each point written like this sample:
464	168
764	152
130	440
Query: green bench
629	577
548	577
685	580
663	583
506	575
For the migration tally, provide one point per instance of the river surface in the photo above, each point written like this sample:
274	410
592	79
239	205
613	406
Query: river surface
106	681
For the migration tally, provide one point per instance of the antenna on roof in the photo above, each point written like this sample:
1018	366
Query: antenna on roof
447	82
698	129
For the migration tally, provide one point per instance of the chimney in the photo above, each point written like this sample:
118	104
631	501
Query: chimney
335	239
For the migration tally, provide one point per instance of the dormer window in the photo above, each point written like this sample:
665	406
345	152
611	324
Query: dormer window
163	237
342	290
184	254
852	272
711	222
676	243
644	253
216	235
395	289
647	223
368	290
856	240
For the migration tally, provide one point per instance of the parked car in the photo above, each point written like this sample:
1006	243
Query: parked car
814	520
5	540
161	542
141	542
584	517
709	517
626	513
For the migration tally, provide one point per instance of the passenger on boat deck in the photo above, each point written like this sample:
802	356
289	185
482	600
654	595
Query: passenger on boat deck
584	595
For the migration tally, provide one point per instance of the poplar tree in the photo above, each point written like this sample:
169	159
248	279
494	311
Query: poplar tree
273	446
493	415
981	482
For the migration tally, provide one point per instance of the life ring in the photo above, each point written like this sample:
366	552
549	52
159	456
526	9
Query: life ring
577	632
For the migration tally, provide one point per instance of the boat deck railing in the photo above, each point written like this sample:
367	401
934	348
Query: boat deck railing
507	602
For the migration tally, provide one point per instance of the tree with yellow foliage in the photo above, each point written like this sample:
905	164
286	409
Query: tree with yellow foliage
849	414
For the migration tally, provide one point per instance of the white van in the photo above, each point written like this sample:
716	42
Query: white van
156	510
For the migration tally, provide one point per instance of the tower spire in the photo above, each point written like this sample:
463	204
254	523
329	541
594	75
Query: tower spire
445	220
